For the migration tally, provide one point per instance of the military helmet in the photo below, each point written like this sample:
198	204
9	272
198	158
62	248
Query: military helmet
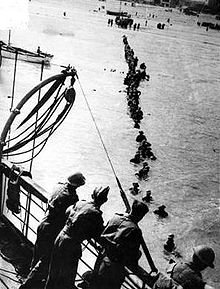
76	179
205	254
135	184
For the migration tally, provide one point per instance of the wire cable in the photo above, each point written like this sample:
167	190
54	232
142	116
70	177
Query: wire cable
96	126
16	281
123	195
6	286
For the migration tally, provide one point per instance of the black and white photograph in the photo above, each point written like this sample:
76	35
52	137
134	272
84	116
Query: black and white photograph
109	144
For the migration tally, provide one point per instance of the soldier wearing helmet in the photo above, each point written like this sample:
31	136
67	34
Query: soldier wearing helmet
188	274
84	222
63	196
140	137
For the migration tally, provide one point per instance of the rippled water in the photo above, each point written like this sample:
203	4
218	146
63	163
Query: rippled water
180	105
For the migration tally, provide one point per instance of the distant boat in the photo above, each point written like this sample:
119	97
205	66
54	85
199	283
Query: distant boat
115	9
115	13
8	51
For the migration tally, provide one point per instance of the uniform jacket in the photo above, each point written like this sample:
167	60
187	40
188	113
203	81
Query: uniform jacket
84	222
186	275
62	197
122	238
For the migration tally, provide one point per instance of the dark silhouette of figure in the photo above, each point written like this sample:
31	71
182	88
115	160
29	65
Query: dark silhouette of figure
148	198
143	173
135	189
143	66
121	240
125	40
38	50
161	211
141	137
63	196
84	223
136	124
170	245
137	158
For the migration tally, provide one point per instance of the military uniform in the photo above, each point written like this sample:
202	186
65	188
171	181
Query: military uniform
187	276
62	197
84	222
121	239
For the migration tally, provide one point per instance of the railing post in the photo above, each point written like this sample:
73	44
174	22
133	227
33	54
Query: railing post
1	192
27	215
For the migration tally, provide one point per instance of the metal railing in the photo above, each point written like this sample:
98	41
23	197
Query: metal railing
33	205
33	202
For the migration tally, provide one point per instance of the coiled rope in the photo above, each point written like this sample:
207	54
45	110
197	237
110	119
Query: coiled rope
40	126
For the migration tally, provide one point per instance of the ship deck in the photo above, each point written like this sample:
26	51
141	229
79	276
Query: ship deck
15	257
8	275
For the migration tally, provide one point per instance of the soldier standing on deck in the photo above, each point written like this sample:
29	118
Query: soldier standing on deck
63	196
84	222
121	240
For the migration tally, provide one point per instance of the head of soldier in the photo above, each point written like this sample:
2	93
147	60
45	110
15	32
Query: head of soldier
76	180
203	257
138	211
100	195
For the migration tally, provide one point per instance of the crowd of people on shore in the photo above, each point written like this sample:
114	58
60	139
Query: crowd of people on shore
124	22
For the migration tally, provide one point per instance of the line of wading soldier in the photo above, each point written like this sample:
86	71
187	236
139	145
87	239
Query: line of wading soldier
68	222
132	81
203	256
